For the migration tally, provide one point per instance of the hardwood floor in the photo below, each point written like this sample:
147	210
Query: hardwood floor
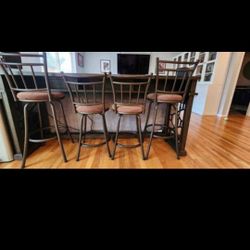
212	143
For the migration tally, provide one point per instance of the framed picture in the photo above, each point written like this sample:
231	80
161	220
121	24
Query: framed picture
185	56
105	66
202	57
162	66
210	67
212	56
80	60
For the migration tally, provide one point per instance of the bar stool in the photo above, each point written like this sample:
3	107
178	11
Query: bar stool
30	91
87	94
173	94
129	98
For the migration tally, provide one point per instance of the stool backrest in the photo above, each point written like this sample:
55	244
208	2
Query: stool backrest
129	89
176	79
85	89
16	72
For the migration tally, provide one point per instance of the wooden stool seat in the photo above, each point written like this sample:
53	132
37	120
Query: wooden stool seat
38	96
129	109
168	98
91	109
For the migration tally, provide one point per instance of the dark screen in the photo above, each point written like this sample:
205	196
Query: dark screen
12	59
133	64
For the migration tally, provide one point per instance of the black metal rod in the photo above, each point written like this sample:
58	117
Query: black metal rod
152	132
138	122
26	134
105	131
116	136
57	131
80	138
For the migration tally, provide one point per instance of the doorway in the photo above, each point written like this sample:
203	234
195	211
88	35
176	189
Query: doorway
241	96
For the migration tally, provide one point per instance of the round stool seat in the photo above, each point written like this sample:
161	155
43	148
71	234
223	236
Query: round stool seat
165	97
129	109
91	109
39	96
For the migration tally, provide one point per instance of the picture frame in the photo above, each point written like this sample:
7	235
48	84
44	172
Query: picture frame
202	57
80	60
105	66
185	56
162	66
209	67
212	56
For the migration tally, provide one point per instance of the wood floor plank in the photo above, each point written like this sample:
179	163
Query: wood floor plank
212	143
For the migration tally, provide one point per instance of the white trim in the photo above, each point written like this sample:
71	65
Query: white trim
248	110
230	82
74	62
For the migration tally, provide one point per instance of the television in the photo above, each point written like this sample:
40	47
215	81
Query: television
133	64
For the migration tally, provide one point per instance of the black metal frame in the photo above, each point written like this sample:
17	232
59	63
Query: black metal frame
177	82
124	97
16	86
84	91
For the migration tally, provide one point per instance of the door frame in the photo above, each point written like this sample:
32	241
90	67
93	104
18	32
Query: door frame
233	72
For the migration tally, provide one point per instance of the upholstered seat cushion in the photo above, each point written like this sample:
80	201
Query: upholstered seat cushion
129	109
165	97
39	95
91	109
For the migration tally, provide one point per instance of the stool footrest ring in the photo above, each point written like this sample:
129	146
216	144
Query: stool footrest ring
41	140
120	145
86	145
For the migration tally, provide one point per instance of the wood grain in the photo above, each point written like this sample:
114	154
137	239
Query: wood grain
212	143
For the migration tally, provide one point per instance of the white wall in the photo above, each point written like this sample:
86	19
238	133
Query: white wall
210	94
92	60
215	90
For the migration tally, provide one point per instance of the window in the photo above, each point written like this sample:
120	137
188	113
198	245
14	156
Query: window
59	61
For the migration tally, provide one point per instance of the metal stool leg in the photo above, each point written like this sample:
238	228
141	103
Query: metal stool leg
85	127
40	119
116	137
26	134
152	132
166	118
105	130
138	123
176	130
65	122
80	137
147	117
57	131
